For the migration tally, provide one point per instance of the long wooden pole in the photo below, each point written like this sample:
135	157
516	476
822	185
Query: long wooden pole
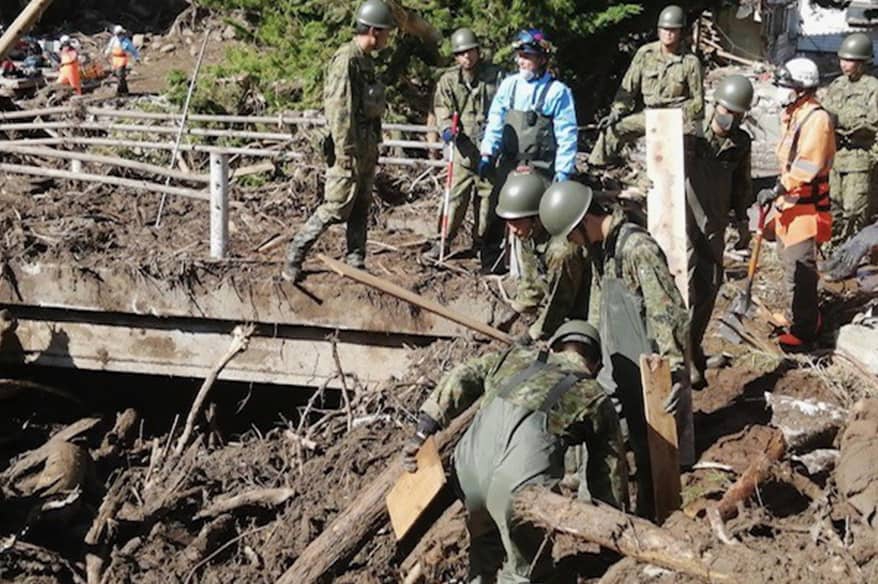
140	185
46	111
368	279
99	159
120	143
23	23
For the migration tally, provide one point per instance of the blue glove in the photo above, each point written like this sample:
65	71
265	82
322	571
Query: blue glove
484	166
447	135
561	176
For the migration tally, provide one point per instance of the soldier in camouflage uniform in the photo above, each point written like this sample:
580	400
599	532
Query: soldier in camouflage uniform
354	103
466	90
554	275
641	312
663	74
853	100
534	406
717	183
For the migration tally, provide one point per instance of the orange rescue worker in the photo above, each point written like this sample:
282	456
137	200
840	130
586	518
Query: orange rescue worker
120	47
68	74
802	218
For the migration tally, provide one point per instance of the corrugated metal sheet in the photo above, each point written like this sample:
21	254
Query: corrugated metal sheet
822	30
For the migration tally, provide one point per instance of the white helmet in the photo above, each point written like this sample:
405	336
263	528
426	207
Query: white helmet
798	73
118	29
64	40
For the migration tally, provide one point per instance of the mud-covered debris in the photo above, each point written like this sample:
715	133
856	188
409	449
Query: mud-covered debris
806	424
857	470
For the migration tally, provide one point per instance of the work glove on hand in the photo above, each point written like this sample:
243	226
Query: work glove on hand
447	135
766	197
679	384
744	235
561	176
484	166
609	120
845	260
427	426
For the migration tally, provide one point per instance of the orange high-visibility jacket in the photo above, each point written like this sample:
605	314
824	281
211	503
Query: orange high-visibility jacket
120	55
805	152
69	70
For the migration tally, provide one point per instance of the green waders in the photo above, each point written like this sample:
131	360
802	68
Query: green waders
623	340
506	448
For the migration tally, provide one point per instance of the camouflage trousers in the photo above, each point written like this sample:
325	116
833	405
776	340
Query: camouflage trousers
853	203
466	188
610	142
347	198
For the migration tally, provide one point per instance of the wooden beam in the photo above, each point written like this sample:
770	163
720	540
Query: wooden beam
406	295
661	427
601	524
140	185
666	201
22	23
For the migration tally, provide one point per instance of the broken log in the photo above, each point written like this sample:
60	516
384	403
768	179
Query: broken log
39	456
746	484
604	525
365	517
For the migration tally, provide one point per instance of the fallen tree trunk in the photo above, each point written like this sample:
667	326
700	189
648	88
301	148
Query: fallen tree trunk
615	530
347	533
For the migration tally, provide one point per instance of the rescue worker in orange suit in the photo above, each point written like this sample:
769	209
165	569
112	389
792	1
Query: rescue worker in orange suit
68	73
801	218
121	48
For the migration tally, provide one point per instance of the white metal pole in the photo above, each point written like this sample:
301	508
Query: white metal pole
219	205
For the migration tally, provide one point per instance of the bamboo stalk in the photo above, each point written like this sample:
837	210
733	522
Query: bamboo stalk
108	160
47	111
109	180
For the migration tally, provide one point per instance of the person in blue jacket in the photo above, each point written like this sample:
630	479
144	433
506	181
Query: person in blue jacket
531	123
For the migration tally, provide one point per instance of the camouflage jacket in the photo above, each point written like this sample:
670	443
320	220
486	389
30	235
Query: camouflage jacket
717	182
645	272
855	107
471	99
659	81
350	76
571	418
555	277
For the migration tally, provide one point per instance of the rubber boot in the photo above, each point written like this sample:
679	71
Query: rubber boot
300	246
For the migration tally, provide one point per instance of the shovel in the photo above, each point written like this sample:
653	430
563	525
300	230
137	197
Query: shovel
731	326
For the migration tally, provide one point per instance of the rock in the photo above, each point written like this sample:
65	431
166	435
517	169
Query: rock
139	40
229	33
820	461
860	341
169	48
806	424
857	472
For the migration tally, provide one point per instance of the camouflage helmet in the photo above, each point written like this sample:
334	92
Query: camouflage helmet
672	16
735	92
576	331
563	206
520	196
463	39
856	47
375	13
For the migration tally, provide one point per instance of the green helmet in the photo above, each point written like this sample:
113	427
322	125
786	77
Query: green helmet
856	47
563	206
463	39
672	17
735	92
578	331
376	14
520	196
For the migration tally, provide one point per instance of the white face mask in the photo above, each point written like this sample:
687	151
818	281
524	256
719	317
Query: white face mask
787	96
527	74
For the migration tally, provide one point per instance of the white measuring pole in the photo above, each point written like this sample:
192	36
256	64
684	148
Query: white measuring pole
219	205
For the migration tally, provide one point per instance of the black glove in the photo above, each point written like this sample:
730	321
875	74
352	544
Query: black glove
484	167
427	426
845	260
680	383
609	120
766	197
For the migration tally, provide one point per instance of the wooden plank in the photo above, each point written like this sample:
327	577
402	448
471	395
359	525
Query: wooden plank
664	455
414	492
22	23
408	296
666	201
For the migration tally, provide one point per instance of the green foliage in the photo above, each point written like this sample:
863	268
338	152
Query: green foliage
290	41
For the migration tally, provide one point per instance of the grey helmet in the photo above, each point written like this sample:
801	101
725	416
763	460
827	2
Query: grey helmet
376	14
520	196
563	206
735	92
672	17
464	39
856	47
